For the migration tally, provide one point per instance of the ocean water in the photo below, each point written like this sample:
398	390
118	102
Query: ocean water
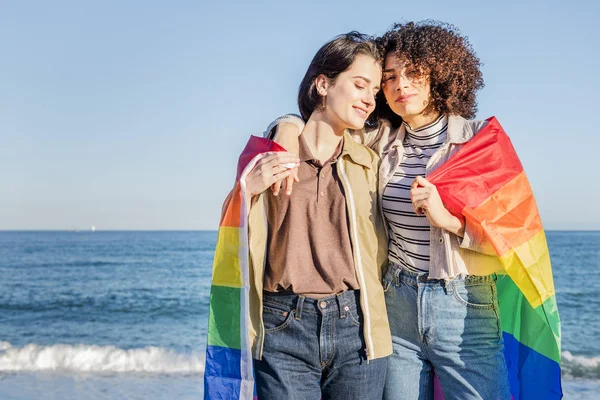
123	315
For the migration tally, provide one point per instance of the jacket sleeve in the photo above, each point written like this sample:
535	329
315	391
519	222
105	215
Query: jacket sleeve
287	118
475	239
367	136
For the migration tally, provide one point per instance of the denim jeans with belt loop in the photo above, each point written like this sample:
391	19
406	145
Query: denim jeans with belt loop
314	348
452	327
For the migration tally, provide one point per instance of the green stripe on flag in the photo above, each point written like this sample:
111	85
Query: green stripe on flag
537	328
224	319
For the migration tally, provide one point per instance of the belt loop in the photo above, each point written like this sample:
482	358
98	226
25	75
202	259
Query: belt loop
299	303
341	304
397	274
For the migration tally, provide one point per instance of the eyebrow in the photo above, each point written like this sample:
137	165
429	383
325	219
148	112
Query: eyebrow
387	71
366	80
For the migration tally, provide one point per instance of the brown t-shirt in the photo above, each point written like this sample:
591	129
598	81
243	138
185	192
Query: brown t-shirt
308	245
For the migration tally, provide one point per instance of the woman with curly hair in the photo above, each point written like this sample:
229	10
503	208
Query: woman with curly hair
443	317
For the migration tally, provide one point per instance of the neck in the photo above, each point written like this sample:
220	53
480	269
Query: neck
421	120
321	137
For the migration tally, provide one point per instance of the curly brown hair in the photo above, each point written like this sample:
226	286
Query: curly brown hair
438	50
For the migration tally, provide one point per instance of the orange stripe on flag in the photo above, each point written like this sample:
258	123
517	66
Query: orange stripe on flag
510	215
232	207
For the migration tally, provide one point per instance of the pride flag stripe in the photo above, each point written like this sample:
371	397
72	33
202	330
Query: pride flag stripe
529	267
515	308
513	205
222	372
531	375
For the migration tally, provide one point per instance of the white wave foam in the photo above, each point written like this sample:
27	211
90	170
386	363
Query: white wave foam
580	366
90	358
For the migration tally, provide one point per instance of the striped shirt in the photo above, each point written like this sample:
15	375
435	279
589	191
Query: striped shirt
409	232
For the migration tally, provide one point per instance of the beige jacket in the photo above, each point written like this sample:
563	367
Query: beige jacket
357	168
450	255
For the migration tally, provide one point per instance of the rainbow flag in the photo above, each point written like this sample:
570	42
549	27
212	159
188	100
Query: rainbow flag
228	372
485	184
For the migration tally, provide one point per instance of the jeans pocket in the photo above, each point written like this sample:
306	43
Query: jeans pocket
477	295
355	316
276	318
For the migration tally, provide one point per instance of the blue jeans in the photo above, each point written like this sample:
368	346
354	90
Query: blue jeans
314	348
453	328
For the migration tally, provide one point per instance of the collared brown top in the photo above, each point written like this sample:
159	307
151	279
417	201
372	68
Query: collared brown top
308	245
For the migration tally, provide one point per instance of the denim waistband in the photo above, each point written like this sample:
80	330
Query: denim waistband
401	273
339	303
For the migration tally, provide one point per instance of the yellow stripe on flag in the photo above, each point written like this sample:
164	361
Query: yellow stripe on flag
226	266
529	267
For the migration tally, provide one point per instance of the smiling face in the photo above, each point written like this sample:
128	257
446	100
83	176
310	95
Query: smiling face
407	91
351	98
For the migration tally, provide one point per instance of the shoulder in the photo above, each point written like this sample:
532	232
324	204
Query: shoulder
359	153
461	129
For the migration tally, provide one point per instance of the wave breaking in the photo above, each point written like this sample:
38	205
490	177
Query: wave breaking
92	358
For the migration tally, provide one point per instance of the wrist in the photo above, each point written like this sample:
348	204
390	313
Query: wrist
455	225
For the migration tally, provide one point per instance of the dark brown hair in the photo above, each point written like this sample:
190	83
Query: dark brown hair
448	60
333	58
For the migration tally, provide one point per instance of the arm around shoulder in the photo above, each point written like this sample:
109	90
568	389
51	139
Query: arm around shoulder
287	123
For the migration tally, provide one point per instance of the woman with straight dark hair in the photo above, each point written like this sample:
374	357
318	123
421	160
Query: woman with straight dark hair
317	255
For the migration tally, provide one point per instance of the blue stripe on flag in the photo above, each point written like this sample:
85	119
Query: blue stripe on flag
222	374
531	375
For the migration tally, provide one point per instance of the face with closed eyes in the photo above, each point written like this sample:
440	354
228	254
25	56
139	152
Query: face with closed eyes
407	90
351	98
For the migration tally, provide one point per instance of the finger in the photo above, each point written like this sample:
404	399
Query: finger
289	183
420	207
276	187
419	191
414	184
296	176
281	175
423	182
281	157
269	161
275	163
419	196
419	182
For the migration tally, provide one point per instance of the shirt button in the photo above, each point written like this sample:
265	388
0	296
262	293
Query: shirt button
323	304
441	240
322	194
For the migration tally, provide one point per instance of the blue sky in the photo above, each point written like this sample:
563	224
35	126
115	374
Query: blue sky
130	115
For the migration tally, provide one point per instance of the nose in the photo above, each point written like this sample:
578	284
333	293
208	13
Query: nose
369	99
403	82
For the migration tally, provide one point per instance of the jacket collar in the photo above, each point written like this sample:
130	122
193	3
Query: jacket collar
459	131
358	153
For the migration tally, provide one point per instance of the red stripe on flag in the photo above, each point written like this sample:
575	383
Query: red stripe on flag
480	168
